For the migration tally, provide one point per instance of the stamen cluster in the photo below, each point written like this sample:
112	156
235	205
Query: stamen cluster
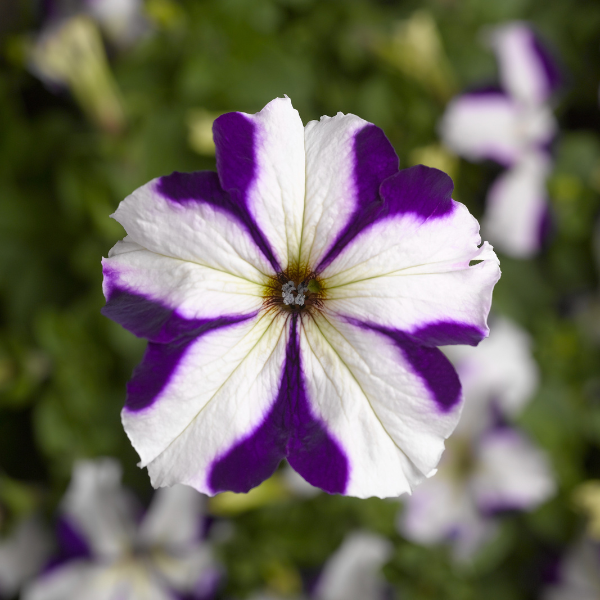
287	293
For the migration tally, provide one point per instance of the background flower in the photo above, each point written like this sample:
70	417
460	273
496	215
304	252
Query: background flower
109	553
512	125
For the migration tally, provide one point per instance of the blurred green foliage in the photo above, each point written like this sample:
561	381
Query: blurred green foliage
63	367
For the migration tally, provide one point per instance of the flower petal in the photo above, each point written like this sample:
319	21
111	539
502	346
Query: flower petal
174	519
484	124
290	429
442	510
512	474
100	508
347	158
500	371
260	160
189	216
409	270
353	572
389	411
67	582
223	385
527	70
516	212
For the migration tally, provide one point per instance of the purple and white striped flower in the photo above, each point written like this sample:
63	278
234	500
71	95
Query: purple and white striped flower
109	554
488	467
293	303
513	126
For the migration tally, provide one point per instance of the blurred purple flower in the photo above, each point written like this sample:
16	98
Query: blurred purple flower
110	554
512	125
488	466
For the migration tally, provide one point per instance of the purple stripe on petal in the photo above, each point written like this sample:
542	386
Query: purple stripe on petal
374	161
430	364
205	187
545	227
71	541
289	430
548	64
170	336
419	190
445	333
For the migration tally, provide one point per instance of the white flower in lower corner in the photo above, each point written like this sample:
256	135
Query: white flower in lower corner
578	576
512	125
488	467
112	555
22	555
353	572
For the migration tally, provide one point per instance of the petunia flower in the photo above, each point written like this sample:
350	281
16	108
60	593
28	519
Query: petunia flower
489	466
353	572
512	125
109	554
293	303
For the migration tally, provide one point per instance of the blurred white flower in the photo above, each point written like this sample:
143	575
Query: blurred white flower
123	21
578	574
512	125
488	466
121	557
22	555
353	572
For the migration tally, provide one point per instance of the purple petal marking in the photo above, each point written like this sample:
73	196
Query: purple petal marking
553	78
374	161
289	431
429	363
545	227
420	190
445	333
71	542
170	336
205	186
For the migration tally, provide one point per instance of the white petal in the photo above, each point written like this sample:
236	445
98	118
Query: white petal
483	125
408	273
512	473
353	572
261	158
188	216
174	518
517	206
23	554
100	508
524	66
218	393
501	369
383	413
346	160
67	582
579	574
195	291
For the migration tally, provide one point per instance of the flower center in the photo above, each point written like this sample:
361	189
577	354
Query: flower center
292	293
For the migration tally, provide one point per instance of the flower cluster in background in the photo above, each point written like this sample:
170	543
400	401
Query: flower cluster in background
98	97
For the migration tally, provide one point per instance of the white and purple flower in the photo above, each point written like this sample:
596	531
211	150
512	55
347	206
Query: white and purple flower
489	466
513	126
108	553
293	303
